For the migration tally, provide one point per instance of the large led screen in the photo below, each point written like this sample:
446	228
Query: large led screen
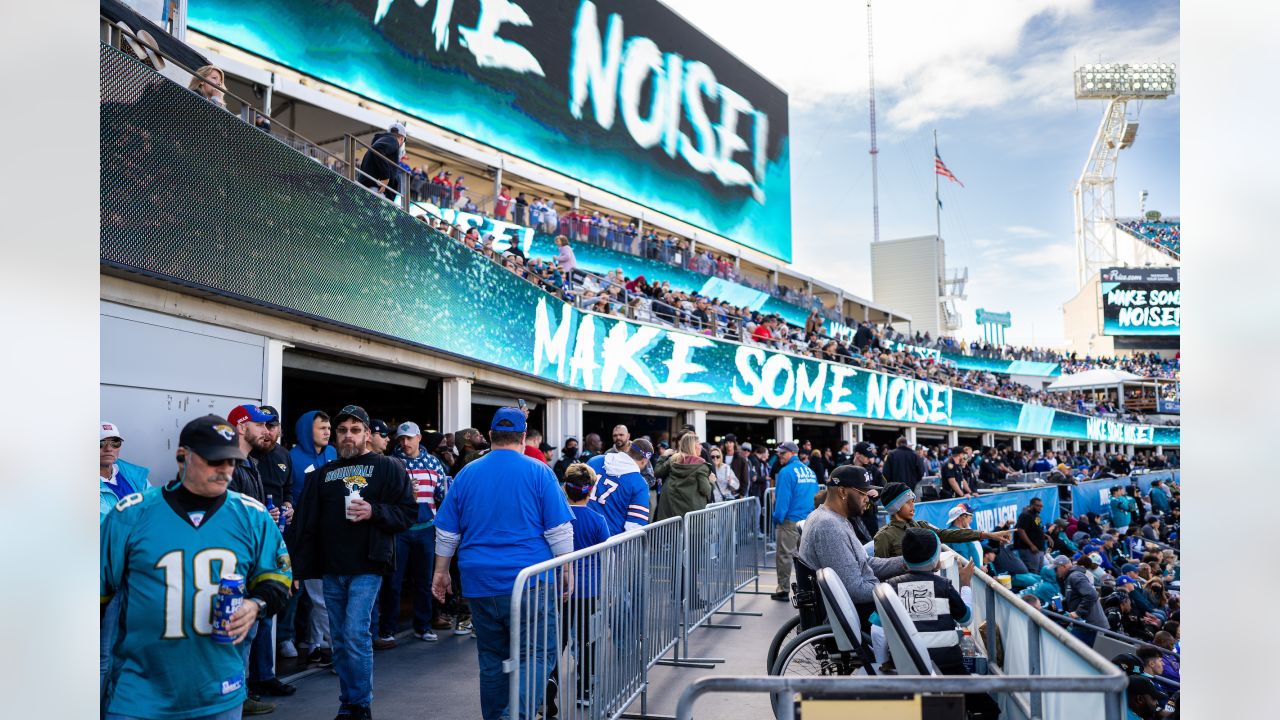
622	95
1141	301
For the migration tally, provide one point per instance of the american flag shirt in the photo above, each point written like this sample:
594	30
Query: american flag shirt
429	479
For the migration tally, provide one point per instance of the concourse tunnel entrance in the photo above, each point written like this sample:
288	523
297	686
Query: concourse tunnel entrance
485	402
747	429
658	425
314	381
820	435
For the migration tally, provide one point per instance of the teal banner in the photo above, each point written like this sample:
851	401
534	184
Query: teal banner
624	95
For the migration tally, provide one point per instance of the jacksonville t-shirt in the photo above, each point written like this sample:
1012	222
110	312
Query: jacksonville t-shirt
500	505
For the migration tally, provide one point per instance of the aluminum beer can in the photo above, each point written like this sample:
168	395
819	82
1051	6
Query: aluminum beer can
229	599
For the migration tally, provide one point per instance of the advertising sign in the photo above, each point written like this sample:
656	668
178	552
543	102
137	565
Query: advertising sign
623	95
991	510
1141	301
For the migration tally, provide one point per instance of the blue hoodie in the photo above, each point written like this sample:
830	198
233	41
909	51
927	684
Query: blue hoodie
304	455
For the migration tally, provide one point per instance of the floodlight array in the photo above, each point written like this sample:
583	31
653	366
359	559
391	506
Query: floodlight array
1117	80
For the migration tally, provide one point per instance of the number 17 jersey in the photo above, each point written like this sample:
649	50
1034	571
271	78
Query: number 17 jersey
165	663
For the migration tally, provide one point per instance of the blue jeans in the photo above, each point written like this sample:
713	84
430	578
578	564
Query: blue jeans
262	653
110	626
415	556
232	714
491	623
350	600
288	618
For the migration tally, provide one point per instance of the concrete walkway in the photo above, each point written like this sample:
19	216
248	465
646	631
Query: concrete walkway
440	681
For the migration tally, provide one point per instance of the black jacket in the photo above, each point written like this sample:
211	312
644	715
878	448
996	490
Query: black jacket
374	169
386	487
275	471
246	480
903	466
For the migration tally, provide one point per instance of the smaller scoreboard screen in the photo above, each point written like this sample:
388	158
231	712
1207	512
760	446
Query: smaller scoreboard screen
1141	301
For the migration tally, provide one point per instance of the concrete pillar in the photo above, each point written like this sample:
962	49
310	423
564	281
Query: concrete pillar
698	419
497	188
1017	442
989	439
858	429
953	438
1075	446
273	373
1039	445
455	404
910	434
1159	449
1128	450
564	420
849	433
782	429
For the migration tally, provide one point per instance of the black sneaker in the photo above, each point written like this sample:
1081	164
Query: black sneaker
272	687
360	712
781	596
321	656
344	712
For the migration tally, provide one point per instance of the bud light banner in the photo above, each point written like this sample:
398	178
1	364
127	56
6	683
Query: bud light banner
1094	496
993	509
625	96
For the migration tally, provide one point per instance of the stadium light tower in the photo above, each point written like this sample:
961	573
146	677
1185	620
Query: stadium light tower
1095	197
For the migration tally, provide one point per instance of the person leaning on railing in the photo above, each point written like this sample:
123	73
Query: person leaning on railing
208	83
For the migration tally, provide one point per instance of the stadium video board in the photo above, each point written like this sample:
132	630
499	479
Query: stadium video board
622	95
1141	301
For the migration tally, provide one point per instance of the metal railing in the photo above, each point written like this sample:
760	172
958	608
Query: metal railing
770	530
585	605
711	567
1020	641
664	542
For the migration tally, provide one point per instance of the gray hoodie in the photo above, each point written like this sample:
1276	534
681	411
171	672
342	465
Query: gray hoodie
1081	598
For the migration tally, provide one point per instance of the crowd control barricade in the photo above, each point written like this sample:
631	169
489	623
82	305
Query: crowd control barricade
592	638
711	566
770	531
664	613
748	545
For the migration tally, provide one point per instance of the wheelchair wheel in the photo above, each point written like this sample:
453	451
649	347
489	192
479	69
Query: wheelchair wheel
789	630
812	653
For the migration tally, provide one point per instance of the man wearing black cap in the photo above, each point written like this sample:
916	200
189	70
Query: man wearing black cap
379	436
351	510
166	549
1143	698
864	456
829	539
900	502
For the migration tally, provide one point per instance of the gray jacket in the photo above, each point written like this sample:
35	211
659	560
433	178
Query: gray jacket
1081	598
828	540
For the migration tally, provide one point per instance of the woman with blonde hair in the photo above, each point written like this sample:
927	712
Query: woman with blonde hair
686	479
208	83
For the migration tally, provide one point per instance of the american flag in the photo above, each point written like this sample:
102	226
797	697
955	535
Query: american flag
940	168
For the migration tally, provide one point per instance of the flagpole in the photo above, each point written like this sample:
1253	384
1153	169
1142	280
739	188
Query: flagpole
937	195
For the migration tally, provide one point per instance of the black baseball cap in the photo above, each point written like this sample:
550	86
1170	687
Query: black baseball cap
380	427
212	438
352	411
852	476
269	410
865	449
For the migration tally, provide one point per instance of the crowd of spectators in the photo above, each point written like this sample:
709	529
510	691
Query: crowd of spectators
1164	234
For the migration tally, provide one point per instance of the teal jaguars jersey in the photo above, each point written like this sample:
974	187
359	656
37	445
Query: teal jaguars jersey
165	662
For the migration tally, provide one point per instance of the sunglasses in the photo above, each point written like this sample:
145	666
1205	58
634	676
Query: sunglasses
110	443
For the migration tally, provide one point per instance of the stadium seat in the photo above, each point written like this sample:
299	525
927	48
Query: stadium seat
910	656
845	623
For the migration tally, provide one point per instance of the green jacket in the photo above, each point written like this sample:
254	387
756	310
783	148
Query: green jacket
685	488
889	539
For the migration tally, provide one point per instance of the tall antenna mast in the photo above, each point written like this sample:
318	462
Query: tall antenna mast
875	175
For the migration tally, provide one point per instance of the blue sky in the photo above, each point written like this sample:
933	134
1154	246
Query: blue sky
994	79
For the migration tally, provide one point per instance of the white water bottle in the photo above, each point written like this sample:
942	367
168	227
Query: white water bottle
352	496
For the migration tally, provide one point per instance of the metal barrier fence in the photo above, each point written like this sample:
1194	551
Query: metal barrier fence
580	618
770	532
711	566
748	544
664	542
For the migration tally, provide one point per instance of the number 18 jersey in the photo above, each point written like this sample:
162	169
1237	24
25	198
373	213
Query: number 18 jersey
165	663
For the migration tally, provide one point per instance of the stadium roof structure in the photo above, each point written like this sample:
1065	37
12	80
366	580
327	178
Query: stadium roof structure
1094	379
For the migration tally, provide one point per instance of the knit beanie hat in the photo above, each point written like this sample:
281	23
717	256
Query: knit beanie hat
920	548
894	496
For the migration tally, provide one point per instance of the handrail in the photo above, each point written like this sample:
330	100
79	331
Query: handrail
1102	631
1112	684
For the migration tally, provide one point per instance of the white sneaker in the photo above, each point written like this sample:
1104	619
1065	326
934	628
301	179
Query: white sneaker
462	628
428	636
288	650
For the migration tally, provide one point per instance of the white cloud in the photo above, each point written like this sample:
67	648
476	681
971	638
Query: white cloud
935	59
1026	231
